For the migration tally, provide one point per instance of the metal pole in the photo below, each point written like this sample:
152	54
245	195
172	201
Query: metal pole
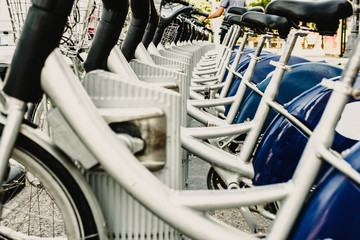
354	30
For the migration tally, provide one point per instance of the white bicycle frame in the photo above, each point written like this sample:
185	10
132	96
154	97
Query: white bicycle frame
240	168
182	209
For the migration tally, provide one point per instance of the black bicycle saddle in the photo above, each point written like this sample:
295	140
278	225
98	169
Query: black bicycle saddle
325	13
263	21
242	10
239	11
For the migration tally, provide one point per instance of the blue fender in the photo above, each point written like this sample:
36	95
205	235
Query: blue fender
302	77
262	70
244	60
263	67
333	209
246	51
233	55
243	65
283	143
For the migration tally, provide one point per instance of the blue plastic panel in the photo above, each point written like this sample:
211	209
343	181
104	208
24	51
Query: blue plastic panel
333	210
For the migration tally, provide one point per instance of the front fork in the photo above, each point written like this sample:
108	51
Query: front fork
14	109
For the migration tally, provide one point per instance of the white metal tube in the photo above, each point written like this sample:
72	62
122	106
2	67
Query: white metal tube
339	163
205	87
204	117
217	131
211	102
234	65
224	199
269	94
216	156
240	93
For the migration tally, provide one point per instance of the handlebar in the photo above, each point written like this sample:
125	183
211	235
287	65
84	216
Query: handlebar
176	11
181	2
198	12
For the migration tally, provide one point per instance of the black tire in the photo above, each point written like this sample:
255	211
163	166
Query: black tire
56	190
214	181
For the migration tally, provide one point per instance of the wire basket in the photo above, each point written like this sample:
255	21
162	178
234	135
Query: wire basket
169	34
78	32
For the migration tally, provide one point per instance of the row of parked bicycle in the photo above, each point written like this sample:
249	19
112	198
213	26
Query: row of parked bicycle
100	150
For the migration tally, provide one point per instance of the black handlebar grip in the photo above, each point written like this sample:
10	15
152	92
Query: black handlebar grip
198	12
180	2
175	1
183	2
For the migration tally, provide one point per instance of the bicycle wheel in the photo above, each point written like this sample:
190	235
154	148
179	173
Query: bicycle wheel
51	205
